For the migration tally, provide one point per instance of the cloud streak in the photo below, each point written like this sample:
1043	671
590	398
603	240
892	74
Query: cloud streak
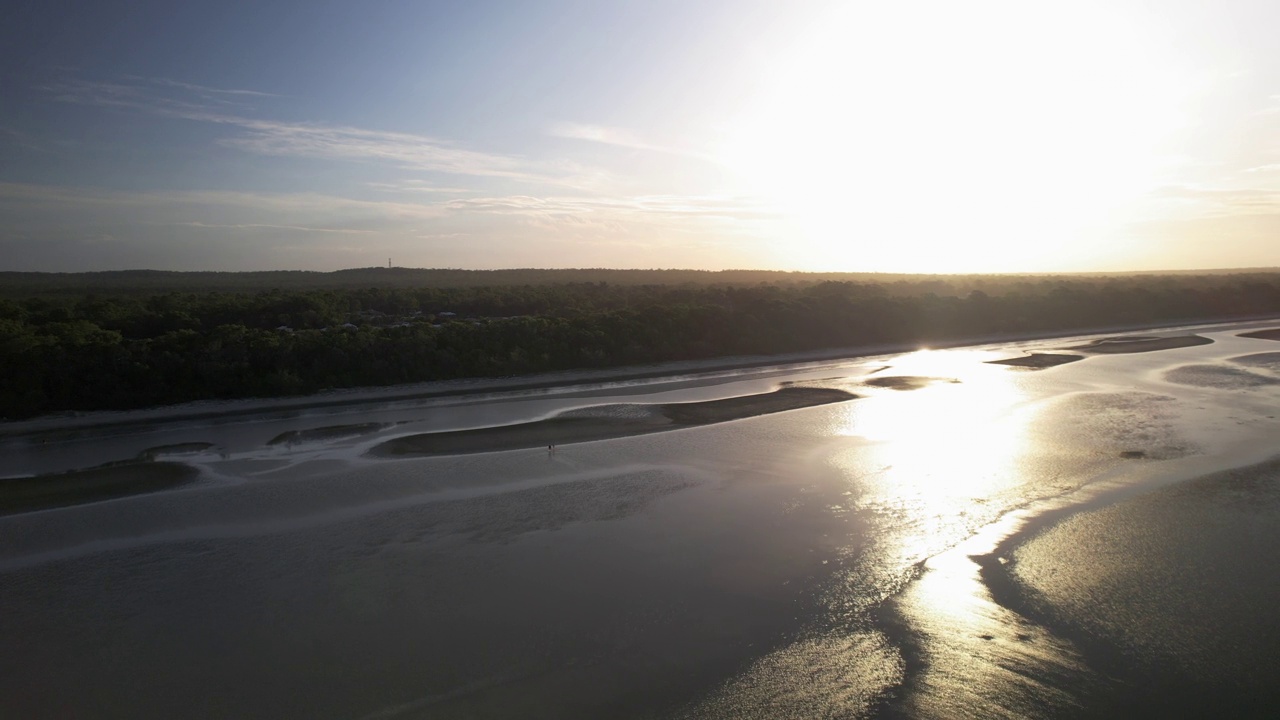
737	208
204	89
404	150
618	137
267	226
64	228
18	138
284	204
1235	201
311	140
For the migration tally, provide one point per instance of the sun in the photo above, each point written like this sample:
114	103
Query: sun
959	137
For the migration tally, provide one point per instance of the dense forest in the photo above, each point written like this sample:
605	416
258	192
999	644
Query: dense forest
142	282
145	282
94	341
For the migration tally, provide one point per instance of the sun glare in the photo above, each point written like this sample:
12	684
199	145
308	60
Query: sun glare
929	450
958	137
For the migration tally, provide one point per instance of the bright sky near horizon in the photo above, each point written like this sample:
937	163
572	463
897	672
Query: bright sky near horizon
914	136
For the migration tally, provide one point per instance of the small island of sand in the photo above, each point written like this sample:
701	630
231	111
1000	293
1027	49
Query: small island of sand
906	382
331	432
1037	361
1269	334
608	421
1125	344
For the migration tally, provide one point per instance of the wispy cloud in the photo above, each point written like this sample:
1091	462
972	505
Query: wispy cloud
654	205
300	139
267	226
62	228
617	137
416	186
203	89
1234	201
404	150
299	205
17	138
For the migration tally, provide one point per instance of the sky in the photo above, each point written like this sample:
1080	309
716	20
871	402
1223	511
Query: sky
912	136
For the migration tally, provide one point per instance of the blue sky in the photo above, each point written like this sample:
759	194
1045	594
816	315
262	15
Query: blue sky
923	136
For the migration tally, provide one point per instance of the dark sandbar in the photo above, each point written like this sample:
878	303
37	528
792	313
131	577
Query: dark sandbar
1140	344
175	449
606	422
331	432
1218	376
906	382
104	482
1037	361
1272	334
1264	361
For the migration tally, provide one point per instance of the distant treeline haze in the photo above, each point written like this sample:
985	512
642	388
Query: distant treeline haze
115	347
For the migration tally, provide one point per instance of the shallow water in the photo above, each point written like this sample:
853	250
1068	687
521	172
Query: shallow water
824	562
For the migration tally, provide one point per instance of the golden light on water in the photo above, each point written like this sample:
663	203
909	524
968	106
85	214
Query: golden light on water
929	453
940	468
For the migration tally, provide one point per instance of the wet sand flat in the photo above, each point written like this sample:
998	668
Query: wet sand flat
612	422
1171	594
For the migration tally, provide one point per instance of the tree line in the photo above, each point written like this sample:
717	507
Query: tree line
69	352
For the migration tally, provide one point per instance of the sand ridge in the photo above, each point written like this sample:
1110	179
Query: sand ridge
1125	344
607	422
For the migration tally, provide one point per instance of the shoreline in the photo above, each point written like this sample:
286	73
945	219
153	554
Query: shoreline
566	380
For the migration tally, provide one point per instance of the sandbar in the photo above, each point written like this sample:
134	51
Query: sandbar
906	382
606	422
187	448
1271	334
42	492
1140	343
331	432
1038	361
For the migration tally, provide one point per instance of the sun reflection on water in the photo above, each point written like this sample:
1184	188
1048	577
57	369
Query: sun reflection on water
958	435
930	468
932	465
